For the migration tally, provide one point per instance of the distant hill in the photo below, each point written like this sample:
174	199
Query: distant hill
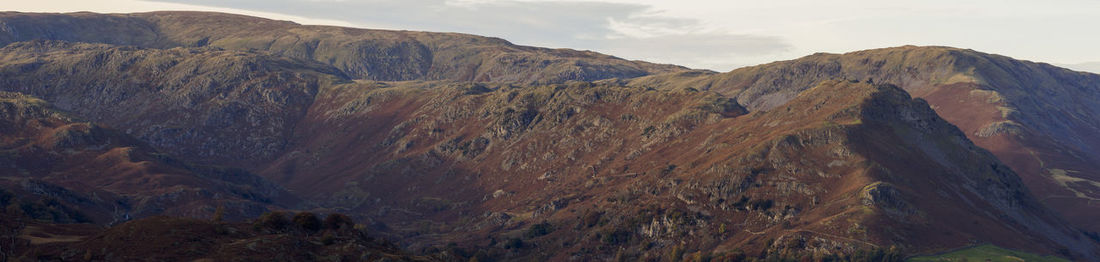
359	53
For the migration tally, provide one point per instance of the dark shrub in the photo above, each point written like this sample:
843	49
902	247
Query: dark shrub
514	243
307	221
591	219
274	221
219	214
617	236
328	239
337	221
762	204
538	230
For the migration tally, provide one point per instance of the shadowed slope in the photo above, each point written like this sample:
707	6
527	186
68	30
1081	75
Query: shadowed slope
186	239
104	176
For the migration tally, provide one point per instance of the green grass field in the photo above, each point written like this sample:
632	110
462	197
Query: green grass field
987	253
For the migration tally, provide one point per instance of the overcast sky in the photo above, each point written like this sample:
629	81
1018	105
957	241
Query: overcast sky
710	34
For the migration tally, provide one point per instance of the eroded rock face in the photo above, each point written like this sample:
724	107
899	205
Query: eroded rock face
999	128
886	197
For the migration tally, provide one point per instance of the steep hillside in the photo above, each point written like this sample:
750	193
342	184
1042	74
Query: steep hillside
359	53
588	171
57	169
1039	119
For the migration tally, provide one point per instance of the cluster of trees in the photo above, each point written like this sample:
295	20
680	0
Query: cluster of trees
301	222
48	209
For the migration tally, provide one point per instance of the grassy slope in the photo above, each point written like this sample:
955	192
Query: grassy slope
987	253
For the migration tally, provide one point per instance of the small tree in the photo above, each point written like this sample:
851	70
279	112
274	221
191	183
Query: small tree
307	221
336	221
676	253
275	221
219	214
513	243
538	230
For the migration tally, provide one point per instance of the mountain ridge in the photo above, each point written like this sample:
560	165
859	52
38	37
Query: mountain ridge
360	53
822	157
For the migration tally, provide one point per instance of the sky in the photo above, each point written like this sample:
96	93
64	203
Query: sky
705	34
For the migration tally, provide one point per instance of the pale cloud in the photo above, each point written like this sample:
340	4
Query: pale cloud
712	51
642	26
1049	31
1093	67
628	30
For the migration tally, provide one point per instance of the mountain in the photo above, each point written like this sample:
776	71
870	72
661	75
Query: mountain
358	53
1039	119
477	148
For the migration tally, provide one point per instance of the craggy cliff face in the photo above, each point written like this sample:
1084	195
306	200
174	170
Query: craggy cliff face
434	139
